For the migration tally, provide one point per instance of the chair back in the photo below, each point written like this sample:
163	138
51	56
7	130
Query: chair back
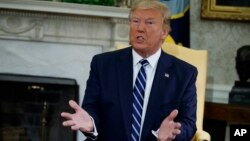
197	58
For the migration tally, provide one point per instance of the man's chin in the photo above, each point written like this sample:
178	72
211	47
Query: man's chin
139	48
138	45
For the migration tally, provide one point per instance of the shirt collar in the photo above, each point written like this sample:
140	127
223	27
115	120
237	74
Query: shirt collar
153	59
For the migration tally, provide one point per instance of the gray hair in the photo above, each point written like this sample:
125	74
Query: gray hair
154	5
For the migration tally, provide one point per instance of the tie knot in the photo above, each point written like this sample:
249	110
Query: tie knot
144	62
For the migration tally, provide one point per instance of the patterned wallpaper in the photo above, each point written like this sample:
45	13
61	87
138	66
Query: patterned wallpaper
221	39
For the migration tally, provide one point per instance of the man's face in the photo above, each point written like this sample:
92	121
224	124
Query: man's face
146	31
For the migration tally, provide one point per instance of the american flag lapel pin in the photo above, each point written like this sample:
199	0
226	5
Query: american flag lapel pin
166	75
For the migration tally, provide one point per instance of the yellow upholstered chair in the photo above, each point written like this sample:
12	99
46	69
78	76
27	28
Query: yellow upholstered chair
197	58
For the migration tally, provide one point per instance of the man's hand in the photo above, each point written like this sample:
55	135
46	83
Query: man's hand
169	129
80	120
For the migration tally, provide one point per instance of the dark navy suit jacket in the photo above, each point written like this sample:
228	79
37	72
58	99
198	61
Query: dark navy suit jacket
108	96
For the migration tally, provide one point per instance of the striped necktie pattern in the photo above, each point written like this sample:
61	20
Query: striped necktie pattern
138	97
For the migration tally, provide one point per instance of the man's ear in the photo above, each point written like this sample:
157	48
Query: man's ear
165	33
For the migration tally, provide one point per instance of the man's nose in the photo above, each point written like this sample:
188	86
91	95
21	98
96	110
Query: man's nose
141	26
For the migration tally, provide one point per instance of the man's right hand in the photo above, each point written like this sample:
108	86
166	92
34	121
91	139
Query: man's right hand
80	120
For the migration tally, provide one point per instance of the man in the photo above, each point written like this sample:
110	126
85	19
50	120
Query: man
119	81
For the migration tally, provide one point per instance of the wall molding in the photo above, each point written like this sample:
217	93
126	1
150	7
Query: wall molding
59	22
218	93
65	8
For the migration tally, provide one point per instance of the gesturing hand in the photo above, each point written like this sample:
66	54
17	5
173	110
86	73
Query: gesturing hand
169	129
80	120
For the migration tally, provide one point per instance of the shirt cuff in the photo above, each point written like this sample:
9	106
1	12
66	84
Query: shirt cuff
155	133
92	135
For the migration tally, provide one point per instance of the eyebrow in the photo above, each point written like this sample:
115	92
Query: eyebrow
145	19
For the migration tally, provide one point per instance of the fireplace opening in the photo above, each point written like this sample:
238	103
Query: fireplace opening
30	107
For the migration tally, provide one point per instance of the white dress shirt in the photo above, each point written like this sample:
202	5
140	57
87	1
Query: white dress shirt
150	72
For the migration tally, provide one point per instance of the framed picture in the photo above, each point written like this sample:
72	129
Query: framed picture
226	9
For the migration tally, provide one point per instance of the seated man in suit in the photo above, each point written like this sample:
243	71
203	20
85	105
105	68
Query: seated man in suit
139	93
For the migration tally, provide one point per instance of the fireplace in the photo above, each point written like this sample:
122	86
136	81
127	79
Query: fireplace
58	39
30	107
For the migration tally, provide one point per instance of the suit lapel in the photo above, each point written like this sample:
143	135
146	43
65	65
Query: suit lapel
160	86
125	83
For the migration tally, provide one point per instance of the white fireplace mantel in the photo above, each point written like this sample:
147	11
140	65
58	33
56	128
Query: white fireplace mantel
65	8
61	22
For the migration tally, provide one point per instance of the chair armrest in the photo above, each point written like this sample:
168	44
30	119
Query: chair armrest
202	135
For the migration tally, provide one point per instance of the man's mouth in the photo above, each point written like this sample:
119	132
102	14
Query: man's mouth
140	38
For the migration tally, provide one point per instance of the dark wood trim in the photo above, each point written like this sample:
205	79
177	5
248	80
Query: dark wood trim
231	113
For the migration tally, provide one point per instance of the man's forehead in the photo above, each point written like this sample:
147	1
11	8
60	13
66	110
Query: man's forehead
146	11
146	14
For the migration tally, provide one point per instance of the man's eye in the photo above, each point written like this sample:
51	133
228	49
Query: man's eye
149	22
135	21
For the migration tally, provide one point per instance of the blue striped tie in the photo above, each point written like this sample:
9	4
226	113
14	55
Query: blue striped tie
138	94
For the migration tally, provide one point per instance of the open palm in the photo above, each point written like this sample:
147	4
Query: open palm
80	120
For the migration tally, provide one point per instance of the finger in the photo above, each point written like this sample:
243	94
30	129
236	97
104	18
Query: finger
74	127
68	123
177	125
66	115
173	115
176	132
172	138
74	105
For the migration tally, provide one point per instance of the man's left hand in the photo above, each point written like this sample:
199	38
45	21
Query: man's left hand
169	128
